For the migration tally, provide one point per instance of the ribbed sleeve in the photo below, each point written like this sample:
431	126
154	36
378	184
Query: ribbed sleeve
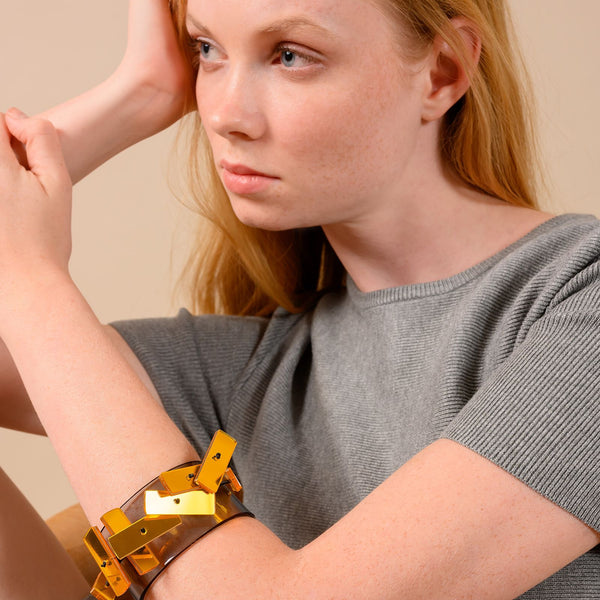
538	416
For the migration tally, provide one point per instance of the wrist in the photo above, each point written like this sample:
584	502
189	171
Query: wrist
132	110
36	293
146	107
104	121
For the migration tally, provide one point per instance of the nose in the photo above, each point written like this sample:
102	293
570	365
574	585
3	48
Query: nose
233	107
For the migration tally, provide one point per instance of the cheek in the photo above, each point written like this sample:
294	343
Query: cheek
344	134
316	131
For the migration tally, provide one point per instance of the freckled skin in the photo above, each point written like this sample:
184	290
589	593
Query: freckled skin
340	133
351	133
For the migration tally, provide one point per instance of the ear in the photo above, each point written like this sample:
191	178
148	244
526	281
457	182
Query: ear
449	77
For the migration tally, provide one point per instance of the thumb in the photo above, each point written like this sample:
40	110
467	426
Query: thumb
42	146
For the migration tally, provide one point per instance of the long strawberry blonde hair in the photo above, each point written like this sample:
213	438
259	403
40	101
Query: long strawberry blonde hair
487	138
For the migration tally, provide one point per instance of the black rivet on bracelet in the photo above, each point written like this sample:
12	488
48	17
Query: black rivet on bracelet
177	500
143	531
103	564
190	476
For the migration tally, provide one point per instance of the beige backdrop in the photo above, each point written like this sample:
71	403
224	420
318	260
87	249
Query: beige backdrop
124	218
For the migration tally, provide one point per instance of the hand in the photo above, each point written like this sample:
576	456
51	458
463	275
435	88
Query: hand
35	202
155	59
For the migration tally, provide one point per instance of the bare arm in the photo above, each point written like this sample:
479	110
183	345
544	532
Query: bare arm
146	93
447	525
16	410
149	91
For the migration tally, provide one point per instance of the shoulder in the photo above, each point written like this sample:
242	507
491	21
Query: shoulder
554	267
565	243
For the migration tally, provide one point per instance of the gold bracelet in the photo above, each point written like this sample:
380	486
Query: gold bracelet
140	539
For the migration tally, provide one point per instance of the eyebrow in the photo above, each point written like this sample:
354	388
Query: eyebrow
296	22
280	26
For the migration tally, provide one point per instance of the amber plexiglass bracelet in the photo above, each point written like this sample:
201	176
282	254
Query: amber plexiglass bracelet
162	520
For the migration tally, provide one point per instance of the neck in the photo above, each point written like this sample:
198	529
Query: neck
431	236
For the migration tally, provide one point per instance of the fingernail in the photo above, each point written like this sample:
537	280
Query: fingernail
15	113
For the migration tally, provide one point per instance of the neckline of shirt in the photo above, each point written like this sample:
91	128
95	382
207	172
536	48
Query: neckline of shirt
443	286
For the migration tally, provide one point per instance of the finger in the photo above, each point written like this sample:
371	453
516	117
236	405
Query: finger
42	147
19	151
7	156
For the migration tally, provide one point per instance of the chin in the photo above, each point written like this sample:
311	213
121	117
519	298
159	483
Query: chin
266	224
261	217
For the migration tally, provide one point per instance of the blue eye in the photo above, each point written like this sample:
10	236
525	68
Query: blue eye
205	49
288	58
293	59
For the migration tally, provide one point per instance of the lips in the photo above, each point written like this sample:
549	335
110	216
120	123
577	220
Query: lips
237	169
242	180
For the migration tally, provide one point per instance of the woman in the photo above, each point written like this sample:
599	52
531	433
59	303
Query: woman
418	420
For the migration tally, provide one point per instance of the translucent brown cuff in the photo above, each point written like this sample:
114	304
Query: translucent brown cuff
162	520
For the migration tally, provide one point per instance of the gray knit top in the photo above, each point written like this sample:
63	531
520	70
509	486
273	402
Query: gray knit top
503	358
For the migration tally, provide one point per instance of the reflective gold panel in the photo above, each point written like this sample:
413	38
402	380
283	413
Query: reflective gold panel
215	462
234	482
144	560
140	533
195	502
115	520
106	560
101	589
180	480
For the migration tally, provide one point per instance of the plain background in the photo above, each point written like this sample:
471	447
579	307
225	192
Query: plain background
130	234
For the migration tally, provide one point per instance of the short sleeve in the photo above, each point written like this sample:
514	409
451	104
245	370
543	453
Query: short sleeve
194	362
538	415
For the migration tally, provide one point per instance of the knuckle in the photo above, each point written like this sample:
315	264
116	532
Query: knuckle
41	126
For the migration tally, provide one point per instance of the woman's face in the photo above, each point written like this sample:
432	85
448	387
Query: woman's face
312	95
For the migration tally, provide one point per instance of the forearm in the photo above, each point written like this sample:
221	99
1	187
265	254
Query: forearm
107	119
151	89
112	437
110	434
240	559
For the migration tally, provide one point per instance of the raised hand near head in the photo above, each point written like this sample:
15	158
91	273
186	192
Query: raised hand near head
151	88
156	59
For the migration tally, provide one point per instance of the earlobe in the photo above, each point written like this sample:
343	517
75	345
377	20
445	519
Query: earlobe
450	72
